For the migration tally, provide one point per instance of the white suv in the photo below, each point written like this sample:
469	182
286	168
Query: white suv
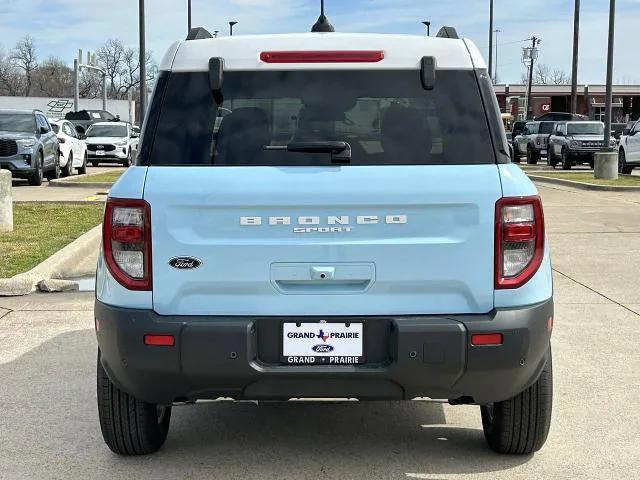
112	142
73	150
629	153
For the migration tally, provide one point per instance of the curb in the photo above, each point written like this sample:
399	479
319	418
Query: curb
582	185
76	260
70	182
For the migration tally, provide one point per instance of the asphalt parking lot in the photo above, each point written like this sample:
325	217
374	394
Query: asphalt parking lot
49	426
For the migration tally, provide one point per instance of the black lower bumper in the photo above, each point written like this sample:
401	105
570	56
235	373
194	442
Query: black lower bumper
407	357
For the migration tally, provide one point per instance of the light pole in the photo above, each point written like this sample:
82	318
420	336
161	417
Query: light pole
427	24
495	77
609	94
143	63
530	54
231	25
188	16
490	37
574	68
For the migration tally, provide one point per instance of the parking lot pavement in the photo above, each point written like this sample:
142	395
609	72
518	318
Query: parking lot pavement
23	192
48	417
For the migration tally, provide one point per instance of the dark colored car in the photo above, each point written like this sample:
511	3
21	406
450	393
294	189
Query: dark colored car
83	119
29	147
561	117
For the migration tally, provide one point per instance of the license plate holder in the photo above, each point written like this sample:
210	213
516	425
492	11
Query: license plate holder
100	153
322	343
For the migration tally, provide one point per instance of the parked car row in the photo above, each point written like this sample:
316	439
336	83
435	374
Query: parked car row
574	142
34	147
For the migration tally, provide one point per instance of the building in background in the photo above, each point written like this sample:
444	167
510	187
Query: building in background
557	98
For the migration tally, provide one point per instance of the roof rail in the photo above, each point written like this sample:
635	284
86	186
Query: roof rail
448	32
198	33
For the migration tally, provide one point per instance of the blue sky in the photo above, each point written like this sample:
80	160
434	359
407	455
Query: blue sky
60	27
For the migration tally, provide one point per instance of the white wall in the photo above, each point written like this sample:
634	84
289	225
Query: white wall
57	107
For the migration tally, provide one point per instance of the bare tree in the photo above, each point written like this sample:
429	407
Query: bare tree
11	80
24	58
122	65
90	84
53	78
543	75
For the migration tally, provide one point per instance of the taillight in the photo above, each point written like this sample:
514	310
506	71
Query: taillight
335	56
126	239
519	240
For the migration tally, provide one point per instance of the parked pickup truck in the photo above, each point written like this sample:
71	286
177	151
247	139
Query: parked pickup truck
573	143
385	248
83	119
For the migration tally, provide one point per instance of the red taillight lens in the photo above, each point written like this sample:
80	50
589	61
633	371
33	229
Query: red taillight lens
519	240
126	239
159	340
480	339
343	56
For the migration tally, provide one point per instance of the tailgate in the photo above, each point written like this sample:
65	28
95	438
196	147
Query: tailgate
357	240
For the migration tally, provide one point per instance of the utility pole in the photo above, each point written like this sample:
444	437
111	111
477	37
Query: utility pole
427	24
530	54
231	25
490	37
143	62
495	78
188	16
609	94
574	69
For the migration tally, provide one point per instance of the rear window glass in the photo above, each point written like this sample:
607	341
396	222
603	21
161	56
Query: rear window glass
81	115
546	127
387	118
584	128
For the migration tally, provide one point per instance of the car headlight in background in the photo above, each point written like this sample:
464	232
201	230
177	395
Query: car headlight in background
26	142
121	143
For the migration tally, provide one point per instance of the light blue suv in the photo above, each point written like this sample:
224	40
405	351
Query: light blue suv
324	216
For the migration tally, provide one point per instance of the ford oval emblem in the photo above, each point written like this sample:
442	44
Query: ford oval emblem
185	263
322	348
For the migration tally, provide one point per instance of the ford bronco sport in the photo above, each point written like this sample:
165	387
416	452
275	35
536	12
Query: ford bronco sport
324	215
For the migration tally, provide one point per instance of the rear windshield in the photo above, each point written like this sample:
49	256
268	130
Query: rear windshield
584	128
546	127
17	122
107	131
387	118
81	115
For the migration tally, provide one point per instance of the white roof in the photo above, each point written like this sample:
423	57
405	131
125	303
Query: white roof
401	52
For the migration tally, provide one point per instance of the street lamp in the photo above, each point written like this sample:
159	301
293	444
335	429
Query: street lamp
231	25
215	33
574	68
428	25
490	37
609	94
530	54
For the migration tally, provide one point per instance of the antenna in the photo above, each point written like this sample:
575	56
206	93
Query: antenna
322	25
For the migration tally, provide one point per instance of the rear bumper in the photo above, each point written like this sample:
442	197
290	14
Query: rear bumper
408	357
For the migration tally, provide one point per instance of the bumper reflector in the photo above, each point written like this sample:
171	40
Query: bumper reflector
480	339
159	340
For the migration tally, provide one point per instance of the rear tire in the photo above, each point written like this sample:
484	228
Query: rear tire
54	173
532	158
552	161
567	162
82	170
127	162
521	424
623	168
129	426
67	171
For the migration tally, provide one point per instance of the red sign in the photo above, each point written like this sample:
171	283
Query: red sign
546	107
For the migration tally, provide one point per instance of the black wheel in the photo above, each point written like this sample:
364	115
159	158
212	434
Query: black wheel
516	153
129	426
623	168
67	171
551	158
521	424
567	162
35	179
55	172
83	169
532	158
127	162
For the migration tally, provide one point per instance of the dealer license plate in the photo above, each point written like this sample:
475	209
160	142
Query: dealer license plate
322	343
